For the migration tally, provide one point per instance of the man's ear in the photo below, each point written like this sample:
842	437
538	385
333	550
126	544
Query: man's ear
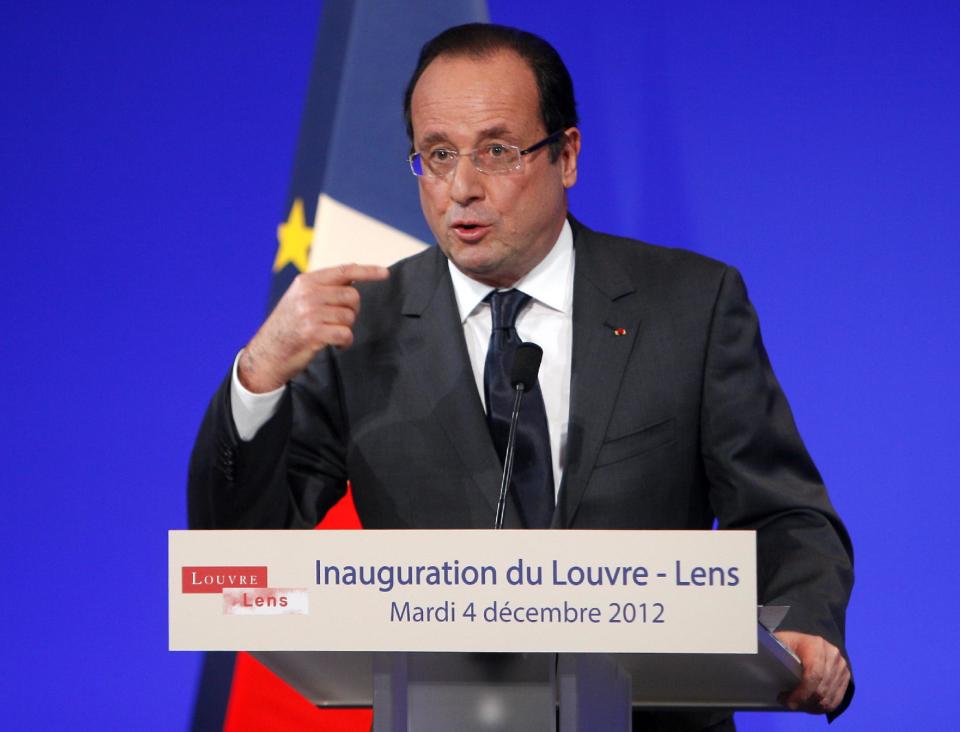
568	157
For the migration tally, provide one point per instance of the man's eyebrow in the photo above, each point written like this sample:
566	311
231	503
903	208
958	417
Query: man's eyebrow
496	131
434	138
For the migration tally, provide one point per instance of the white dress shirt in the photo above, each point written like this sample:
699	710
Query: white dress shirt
546	320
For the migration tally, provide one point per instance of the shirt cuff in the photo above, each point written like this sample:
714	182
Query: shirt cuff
251	411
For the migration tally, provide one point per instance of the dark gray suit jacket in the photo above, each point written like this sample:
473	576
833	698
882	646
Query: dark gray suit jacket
675	424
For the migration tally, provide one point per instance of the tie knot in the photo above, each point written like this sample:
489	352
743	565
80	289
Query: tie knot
505	306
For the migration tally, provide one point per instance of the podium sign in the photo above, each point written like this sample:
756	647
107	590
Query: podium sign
464	591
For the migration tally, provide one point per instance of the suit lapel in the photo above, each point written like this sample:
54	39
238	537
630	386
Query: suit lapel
606	319
435	352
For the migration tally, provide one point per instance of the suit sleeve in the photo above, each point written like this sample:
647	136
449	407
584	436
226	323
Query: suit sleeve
288	475
762	477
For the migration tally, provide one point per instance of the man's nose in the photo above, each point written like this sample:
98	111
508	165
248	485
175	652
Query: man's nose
466	182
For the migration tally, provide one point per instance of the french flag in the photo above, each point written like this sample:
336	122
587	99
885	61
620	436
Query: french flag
352	199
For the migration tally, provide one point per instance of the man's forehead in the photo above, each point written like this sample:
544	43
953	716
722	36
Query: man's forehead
476	96
453	62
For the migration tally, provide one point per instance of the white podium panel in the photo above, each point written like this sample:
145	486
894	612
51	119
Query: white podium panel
464	591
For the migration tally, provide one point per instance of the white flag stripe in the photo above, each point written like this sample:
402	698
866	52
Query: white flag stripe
343	234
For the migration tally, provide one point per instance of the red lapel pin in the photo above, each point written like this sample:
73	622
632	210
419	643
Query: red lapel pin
619	331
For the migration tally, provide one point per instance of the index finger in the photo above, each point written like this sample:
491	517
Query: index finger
805	693
344	274
809	650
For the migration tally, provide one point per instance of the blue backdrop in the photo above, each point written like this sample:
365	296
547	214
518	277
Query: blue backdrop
145	154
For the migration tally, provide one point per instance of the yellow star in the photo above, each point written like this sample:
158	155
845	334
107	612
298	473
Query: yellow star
295	238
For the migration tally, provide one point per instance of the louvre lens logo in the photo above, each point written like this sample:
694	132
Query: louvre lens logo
215	579
244	590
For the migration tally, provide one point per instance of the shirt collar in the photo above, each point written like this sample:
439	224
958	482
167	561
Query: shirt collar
549	283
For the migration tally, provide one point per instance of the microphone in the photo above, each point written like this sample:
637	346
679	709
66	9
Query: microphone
523	377
526	366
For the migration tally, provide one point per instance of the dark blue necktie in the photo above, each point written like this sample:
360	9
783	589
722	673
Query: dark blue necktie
532	484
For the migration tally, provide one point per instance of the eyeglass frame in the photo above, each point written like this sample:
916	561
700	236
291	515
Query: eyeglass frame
471	153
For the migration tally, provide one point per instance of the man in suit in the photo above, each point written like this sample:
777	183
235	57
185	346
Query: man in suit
659	405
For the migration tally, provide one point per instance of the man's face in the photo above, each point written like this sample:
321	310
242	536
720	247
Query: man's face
495	228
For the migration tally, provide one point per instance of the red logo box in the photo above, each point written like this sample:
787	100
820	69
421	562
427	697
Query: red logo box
214	579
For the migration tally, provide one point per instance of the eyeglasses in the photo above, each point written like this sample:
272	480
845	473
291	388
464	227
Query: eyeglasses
495	159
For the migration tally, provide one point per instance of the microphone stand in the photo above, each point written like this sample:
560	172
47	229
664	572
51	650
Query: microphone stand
508	459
